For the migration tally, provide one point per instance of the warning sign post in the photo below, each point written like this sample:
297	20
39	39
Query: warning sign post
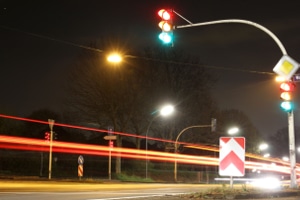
80	166
232	157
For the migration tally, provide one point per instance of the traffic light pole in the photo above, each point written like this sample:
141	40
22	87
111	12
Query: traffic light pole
272	35
51	123
293	183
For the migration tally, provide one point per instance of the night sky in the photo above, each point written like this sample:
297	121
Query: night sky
34	69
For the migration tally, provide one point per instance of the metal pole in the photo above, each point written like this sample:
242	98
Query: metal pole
293	183
109	162
231	182
147	144
176	145
272	35
175	163
51	123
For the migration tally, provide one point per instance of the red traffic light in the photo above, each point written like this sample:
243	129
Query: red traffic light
47	136
165	15
287	86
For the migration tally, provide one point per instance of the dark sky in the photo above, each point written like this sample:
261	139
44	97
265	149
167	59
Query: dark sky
34	69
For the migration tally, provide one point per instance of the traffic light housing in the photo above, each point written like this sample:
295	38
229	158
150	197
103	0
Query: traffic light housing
55	136
286	95
166	25
213	125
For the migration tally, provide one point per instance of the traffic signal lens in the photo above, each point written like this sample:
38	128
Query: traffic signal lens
286	106
165	26
286	96
165	37
286	87
165	15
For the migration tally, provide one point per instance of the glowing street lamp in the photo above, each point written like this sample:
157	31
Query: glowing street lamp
233	131
114	58
263	146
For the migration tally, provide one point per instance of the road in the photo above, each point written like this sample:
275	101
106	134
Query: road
49	190
71	190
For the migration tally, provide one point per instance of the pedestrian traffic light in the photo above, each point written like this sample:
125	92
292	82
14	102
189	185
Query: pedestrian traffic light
286	95
47	136
166	25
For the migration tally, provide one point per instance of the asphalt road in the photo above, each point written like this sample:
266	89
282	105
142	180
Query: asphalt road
30	190
49	190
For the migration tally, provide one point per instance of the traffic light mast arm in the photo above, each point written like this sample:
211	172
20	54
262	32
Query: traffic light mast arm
272	35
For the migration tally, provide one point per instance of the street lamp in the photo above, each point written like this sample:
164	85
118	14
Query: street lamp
114	58
263	146
176	145
164	111
233	131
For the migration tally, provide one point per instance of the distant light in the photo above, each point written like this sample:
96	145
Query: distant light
115	58
233	131
267	183
279	79
267	155
263	146
285	158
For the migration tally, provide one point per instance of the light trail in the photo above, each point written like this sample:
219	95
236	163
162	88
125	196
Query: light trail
87	128
28	144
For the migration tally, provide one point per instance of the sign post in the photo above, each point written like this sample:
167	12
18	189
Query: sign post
110	137
80	166
232	157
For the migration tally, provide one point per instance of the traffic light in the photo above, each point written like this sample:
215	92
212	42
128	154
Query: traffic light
213	125
47	136
166	25
286	95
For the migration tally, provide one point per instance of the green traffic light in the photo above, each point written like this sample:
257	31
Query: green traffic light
287	106
165	37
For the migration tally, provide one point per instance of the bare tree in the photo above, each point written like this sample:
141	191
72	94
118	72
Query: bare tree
125	95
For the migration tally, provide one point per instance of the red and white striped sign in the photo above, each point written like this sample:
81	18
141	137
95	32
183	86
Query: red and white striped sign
232	156
80	170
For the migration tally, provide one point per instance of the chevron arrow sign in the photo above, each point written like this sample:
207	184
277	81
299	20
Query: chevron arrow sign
232	156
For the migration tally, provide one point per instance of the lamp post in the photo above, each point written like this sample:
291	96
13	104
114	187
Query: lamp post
232	130
176	145
164	111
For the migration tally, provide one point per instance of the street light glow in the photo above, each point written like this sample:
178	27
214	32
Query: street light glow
166	110
233	131
263	146
115	58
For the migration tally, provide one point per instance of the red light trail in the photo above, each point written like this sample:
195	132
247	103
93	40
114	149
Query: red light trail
29	144
19	143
